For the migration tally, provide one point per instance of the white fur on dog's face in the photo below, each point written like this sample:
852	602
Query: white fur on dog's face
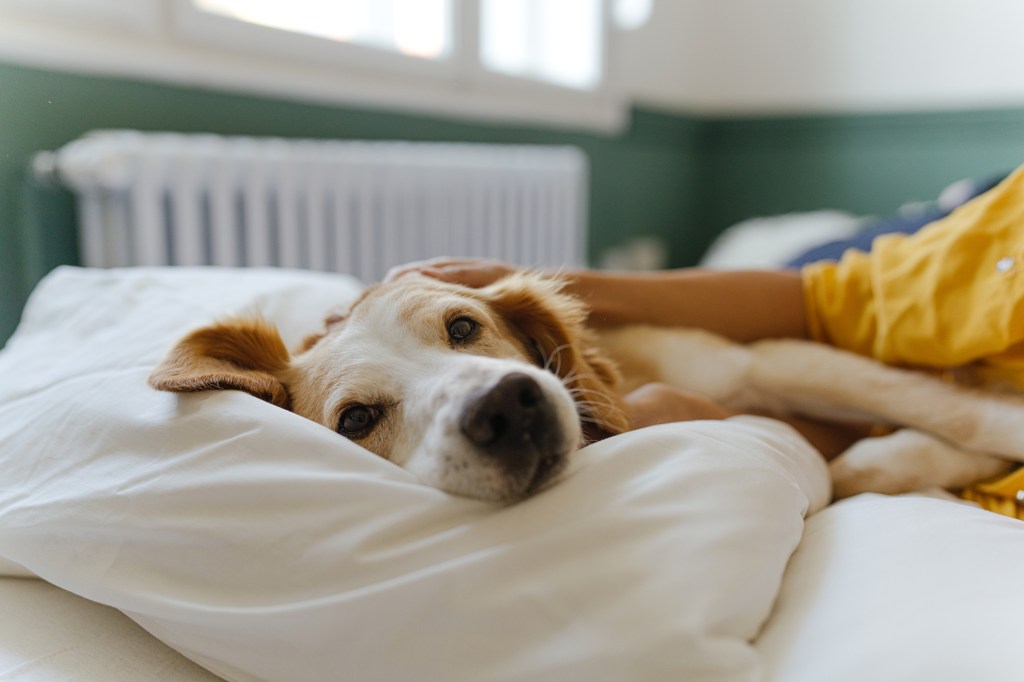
393	354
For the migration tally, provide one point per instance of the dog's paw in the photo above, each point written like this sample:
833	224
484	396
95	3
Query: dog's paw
850	477
906	461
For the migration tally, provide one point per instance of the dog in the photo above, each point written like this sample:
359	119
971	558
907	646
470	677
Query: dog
485	393
489	392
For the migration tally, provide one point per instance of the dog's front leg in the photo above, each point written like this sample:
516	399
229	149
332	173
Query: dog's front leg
691	359
908	460
828	383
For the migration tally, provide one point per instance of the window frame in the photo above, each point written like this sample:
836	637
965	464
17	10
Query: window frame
143	16
168	40
191	24
463	68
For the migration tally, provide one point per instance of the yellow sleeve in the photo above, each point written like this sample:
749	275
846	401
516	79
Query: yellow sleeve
948	295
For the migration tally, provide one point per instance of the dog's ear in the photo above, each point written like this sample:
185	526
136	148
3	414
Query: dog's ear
555	323
244	354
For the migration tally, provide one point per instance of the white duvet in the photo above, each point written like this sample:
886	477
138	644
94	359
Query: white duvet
263	546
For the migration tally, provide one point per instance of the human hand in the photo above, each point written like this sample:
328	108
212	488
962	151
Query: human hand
471	272
656	403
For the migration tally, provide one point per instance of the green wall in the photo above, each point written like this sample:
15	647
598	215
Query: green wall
864	164
642	181
677	177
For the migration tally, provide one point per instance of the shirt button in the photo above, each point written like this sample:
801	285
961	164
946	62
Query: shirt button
1005	264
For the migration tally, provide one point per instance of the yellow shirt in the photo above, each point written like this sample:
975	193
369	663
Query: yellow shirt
950	296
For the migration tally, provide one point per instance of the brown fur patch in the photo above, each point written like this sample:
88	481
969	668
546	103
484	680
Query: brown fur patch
244	354
556	321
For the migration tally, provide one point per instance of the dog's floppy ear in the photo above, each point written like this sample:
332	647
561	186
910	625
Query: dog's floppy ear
555	322
245	354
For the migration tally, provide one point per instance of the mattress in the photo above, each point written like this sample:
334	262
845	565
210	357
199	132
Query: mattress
50	635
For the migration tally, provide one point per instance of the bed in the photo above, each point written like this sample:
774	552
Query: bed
146	536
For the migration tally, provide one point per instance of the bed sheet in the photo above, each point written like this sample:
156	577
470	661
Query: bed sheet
50	635
900	588
886	588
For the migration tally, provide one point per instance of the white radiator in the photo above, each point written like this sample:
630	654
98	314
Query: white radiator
353	207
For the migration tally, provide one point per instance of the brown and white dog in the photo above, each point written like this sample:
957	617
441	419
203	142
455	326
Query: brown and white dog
480	392
488	392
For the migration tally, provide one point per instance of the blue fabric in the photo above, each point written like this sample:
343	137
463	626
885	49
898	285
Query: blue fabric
890	224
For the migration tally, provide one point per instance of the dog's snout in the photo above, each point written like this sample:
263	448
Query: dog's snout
508	416
525	390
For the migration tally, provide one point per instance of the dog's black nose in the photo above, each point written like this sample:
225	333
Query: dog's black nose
512	417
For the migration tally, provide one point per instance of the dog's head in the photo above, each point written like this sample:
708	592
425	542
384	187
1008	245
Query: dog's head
480	392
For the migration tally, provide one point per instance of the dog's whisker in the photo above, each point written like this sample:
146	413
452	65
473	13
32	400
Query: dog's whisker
609	412
578	389
568	380
606	406
582	394
586	393
556	355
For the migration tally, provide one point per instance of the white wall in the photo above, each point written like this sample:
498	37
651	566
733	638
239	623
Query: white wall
796	56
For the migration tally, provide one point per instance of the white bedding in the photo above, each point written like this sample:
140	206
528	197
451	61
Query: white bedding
901	588
50	635
263	546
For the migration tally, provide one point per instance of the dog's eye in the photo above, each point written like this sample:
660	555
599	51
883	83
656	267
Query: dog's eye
357	420
461	329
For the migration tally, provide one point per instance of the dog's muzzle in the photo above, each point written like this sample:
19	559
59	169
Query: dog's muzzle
514	422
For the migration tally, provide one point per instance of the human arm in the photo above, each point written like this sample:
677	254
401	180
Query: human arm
742	305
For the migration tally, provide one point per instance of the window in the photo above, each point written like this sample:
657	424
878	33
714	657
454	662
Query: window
559	42
554	41
531	61
632	14
419	28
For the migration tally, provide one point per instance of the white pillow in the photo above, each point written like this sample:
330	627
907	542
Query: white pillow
773	241
900	588
264	546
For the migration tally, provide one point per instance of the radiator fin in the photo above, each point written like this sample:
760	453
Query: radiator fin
344	206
